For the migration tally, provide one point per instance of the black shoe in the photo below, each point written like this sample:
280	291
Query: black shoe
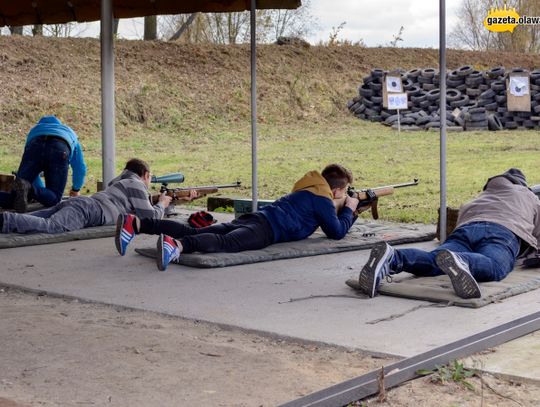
21	188
462	280
377	267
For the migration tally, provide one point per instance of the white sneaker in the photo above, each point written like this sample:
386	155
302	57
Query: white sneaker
457	269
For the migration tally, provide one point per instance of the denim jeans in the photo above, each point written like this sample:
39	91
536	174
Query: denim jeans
489	249
47	154
71	214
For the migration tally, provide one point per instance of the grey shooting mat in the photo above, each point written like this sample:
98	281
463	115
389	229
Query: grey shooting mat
9	240
363	235
439	289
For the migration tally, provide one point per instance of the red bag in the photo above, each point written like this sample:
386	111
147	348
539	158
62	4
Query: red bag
201	219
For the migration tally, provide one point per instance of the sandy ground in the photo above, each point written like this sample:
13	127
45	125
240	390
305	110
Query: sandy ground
57	352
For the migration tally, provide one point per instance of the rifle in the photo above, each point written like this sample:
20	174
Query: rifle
370	196
177	193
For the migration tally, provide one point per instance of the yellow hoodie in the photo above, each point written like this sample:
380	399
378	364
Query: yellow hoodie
315	183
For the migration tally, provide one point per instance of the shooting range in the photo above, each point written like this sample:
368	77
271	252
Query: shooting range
275	326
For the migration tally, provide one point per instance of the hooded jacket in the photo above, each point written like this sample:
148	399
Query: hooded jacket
127	193
310	205
508	202
51	126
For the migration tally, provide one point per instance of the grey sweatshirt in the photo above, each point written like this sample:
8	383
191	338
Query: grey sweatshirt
507	204
127	193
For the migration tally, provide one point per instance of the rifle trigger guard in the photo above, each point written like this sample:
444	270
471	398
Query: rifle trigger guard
371	195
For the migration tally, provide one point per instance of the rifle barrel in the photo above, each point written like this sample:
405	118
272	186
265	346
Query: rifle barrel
402	185
233	185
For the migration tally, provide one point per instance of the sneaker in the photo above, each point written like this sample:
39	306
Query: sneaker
125	232
457	269
21	188
377	267
167	251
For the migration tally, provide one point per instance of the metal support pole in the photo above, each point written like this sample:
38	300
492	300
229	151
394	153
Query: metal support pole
442	105
253	27
107	93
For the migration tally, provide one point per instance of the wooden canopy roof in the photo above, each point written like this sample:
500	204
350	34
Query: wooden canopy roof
28	12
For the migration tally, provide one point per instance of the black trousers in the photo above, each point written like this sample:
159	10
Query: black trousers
248	232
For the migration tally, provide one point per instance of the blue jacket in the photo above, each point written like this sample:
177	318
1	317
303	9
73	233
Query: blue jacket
298	214
51	126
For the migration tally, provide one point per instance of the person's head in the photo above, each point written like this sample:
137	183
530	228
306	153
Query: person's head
514	175
141	168
338	177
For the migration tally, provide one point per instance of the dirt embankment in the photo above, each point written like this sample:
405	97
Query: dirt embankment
178	87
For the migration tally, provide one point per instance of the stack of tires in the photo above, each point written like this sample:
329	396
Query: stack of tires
474	100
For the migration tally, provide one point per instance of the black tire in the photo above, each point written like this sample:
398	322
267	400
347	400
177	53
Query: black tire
377	73
464	99
492	106
488	94
500	98
421	121
423	79
494	123
477	117
495	72
536	109
428	86
391	119
464	70
474	93
473	81
425	104
498	86
407	84
414	91
452	94
413	73
418	99
528	124
375	87
454	83
477	110
365	91
376	99
482	123
433	95
484	102
428	72
360	109
510	125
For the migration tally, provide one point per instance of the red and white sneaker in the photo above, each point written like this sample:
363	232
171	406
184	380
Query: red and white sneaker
167	251
125	232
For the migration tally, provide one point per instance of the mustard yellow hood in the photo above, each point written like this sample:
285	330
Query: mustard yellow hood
315	183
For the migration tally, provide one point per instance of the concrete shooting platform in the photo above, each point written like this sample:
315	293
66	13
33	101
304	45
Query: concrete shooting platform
304	298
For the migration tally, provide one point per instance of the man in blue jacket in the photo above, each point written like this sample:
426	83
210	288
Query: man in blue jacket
51	147
293	217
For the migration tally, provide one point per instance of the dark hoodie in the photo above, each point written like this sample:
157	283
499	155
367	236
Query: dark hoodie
127	193
298	214
508	202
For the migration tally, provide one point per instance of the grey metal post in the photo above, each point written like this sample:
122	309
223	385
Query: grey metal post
253	27
107	92
442	104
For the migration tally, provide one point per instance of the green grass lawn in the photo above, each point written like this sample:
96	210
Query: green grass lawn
376	154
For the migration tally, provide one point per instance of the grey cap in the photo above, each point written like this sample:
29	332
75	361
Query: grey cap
514	175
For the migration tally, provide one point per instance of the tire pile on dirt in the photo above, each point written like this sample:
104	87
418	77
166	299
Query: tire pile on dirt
475	100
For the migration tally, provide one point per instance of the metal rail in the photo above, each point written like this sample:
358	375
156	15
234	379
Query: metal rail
366	385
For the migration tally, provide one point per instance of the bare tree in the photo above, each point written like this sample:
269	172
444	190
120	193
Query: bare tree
470	32
233	28
16	30
150	28
37	30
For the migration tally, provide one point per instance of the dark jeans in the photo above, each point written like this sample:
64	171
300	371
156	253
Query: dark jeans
47	154
248	232
489	249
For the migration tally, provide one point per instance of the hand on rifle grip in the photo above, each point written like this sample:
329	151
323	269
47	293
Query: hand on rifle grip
351	203
164	199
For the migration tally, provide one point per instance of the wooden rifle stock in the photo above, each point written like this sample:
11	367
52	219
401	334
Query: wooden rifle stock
369	197
178	193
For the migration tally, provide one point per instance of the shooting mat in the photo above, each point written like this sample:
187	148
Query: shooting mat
439	289
363	235
9	240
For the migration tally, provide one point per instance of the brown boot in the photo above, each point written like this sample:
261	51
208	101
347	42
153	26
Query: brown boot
21	188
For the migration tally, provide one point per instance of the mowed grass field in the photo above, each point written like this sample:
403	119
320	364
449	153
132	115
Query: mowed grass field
376	154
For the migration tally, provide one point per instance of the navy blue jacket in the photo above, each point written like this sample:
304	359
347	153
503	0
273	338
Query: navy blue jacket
297	215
